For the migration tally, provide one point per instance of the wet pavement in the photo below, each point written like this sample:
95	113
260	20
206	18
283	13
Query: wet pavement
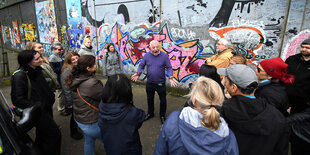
148	132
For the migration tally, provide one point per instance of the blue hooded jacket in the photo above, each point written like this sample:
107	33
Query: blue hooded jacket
119	126
181	138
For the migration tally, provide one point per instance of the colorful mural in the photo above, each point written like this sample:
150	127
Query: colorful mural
16	32
74	18
29	32
64	37
293	45
185	56
46	21
187	30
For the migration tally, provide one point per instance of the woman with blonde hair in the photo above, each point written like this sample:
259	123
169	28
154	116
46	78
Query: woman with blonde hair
48	73
87	48
193	130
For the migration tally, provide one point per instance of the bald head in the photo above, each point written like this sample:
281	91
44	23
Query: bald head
154	46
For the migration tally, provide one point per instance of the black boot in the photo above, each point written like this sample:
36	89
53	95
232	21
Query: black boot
74	132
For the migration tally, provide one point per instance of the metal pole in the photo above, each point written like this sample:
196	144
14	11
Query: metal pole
96	25
160	11
98	68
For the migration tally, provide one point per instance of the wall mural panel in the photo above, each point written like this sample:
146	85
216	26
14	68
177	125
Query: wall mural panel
74	18
46	21
29	32
293	45
16	32
187	30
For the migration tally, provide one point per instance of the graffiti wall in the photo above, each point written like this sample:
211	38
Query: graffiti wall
187	30
46	21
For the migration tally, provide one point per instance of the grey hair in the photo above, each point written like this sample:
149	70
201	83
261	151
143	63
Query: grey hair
56	45
225	42
153	41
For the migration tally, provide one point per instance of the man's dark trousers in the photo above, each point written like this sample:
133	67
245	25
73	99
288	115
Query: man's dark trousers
161	91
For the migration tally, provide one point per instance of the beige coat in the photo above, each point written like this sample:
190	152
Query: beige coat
221	60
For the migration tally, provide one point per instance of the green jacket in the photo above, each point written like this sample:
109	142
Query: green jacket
50	77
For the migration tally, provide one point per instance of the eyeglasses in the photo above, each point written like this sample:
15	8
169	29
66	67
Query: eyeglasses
60	49
259	70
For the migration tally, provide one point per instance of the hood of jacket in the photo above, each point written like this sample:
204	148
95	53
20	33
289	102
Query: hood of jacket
199	140
85	48
78	80
248	115
112	112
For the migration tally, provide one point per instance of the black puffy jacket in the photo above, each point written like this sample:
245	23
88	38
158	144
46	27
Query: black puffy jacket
275	94
40	92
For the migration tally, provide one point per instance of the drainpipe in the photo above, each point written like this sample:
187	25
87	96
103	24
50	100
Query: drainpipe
284	28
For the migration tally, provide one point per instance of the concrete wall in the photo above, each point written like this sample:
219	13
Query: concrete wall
187	29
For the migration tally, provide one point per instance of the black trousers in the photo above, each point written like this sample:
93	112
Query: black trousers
151	88
48	135
299	146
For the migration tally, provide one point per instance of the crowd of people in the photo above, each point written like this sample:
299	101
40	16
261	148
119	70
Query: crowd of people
233	107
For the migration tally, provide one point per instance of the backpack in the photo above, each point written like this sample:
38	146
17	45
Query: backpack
16	110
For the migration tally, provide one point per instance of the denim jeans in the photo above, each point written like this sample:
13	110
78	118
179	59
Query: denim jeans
91	133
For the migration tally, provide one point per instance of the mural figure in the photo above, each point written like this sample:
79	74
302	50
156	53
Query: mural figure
29	32
74	18
46	21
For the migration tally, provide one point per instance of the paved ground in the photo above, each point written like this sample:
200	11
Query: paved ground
148	132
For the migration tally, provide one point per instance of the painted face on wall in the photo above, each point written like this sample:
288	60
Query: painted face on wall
305	50
155	48
39	48
36	61
74	60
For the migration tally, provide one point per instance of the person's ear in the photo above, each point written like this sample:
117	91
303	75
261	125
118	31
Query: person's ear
234	88
194	101
88	69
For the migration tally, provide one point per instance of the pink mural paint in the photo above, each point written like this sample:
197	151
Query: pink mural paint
182	56
293	45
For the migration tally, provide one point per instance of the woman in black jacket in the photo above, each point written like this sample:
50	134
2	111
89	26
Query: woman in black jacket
29	88
272	78
119	119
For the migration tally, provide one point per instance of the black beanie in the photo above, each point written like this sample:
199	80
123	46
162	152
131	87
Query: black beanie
306	42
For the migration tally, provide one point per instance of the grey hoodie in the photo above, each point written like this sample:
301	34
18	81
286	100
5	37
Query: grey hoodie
86	51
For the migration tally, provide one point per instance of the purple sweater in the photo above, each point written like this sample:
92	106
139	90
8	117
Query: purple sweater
156	66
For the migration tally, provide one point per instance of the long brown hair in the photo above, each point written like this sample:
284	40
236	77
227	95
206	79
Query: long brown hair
81	68
68	62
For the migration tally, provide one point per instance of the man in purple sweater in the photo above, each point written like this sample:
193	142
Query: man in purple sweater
157	62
